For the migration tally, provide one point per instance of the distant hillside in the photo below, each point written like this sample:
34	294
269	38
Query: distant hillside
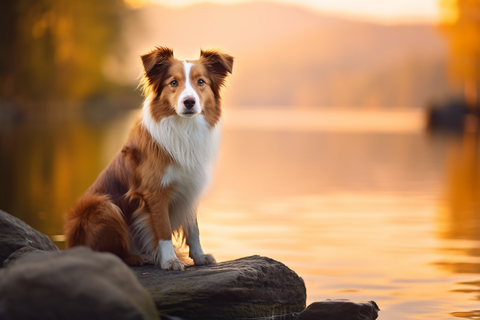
289	56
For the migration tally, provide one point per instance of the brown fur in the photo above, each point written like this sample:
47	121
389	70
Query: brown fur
127	187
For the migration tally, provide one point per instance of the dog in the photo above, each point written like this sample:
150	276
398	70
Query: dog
150	189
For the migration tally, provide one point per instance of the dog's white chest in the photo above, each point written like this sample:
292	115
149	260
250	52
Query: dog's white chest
193	146
186	183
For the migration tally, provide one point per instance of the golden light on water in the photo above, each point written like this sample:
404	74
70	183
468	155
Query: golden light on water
359	214
256	118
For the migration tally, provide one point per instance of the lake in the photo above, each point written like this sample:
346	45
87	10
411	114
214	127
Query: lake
363	205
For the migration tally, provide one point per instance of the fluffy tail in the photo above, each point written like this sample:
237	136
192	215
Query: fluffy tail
98	223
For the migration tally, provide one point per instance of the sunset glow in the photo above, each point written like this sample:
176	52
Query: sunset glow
390	11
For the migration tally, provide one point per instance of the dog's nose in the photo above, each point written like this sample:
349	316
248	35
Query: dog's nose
189	103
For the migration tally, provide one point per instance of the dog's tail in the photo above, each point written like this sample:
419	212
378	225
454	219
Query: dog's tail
96	222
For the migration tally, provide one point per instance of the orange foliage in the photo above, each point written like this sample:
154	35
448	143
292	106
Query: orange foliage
54	49
461	24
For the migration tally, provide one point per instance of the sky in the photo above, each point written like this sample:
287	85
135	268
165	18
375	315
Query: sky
386	11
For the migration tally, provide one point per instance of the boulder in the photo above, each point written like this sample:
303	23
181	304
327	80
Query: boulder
340	310
16	234
19	253
72	284
251	287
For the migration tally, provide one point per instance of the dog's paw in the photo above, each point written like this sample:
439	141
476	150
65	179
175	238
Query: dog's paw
138	260
173	265
145	259
204	259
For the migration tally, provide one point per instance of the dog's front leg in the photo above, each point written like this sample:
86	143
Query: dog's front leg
196	251
159	223
168	258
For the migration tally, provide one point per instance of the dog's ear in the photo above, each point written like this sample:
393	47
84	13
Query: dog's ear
155	59
219	65
155	63
218	62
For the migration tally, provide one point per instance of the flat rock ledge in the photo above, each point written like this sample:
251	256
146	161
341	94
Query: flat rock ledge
247	288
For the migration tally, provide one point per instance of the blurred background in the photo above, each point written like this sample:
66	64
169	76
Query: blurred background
350	146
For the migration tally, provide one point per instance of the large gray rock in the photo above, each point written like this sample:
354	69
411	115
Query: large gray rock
16	234
250	287
340	310
19	254
72	284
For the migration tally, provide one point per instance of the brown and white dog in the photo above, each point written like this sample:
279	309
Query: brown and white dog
151	188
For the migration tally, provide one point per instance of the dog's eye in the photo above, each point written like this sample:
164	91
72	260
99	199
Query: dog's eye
201	82
174	83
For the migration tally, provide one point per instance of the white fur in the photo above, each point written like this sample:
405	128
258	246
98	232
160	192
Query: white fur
169	176
190	141
194	147
187	93
142	240
168	258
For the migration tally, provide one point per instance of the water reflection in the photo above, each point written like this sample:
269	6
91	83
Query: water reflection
462	194
45	166
364	214
459	217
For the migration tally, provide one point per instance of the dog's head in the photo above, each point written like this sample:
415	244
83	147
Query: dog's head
185	88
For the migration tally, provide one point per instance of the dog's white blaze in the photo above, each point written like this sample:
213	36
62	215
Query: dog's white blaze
189	91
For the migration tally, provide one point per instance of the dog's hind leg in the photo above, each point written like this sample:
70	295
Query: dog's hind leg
97	223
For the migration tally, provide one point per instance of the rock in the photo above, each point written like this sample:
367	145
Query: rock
16	234
250	287
450	115
340	310
72	284
167	317
19	253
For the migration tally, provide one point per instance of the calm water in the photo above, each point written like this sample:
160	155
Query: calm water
362	206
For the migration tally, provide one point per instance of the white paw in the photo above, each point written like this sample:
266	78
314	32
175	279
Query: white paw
203	259
173	265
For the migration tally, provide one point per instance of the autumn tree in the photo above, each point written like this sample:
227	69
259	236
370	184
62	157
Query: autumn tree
460	22
55	49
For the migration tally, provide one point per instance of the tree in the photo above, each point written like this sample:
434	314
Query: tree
460	22
53	50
